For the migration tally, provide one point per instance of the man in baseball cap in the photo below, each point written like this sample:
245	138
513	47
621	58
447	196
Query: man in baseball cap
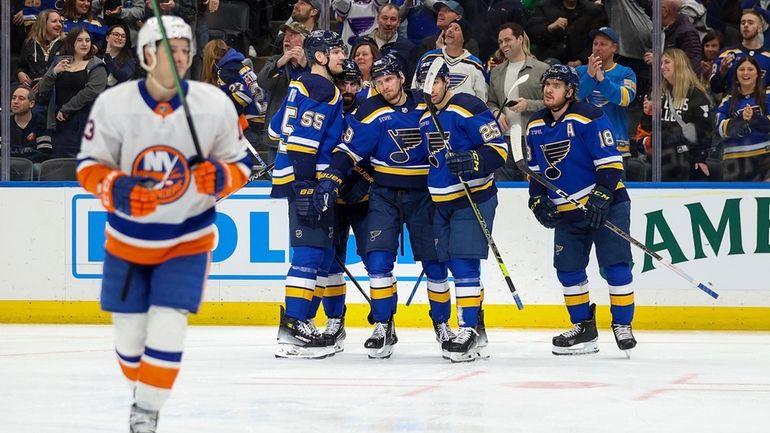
448	11
606	31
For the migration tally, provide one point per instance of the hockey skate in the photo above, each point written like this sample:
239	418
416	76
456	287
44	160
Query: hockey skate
481	344
624	337
300	339
444	334
580	340
463	348
335	332
142	420
380	344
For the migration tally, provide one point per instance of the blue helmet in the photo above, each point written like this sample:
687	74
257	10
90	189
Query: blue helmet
386	65
422	71
321	40
350	71
565	73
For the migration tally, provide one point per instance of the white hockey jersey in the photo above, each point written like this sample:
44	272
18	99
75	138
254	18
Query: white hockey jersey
128	130
359	17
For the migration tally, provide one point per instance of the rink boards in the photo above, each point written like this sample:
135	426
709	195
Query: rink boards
52	237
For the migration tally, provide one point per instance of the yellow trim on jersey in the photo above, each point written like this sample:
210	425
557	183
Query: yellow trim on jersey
459	110
622	300
746	154
566	207
300	148
283	180
723	127
625	97
401	171
301	87
501	150
577	117
572	300
376	113
616	165
533	124
455	195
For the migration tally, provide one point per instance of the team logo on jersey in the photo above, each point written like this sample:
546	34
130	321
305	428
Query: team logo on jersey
557	249
167	166
374	234
436	145
406	140
457	80
554	153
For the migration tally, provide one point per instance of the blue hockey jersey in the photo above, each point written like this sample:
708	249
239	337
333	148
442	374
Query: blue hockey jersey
468	125
721	84
308	127
575	153
390	137
744	140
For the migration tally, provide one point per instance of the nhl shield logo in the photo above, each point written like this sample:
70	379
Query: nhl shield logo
298	234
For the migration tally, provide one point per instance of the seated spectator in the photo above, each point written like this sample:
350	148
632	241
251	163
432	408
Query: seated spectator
74	81
526	99
358	17
711	46
226	68
128	12
305	13
78	14
559	29
447	12
687	121
278	72
45	38
28	132
742	120
420	19
31	10
750	46
365	51
386	33
486	16
118	55
466	72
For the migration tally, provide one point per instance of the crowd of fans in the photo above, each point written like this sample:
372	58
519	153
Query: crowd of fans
715	124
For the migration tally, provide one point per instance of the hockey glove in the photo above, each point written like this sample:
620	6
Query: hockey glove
545	211
598	206
130	195
211	176
325	196
356	186
303	198
464	163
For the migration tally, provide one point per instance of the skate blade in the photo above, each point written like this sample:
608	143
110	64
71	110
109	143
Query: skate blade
381	353
339	346
584	349
286	351
444	354
469	356
483	353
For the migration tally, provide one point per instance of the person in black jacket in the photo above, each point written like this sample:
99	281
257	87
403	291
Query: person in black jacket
559	29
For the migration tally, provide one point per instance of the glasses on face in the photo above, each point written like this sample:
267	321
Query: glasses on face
118	35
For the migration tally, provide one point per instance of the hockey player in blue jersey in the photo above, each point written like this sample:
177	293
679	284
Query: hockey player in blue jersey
572	145
385	129
477	150
308	125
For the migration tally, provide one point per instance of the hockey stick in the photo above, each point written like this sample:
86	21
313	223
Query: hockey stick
518	157
427	91
414	289
521	80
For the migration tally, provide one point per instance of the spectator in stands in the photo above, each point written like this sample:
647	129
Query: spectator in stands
466	72
750	46
742	120
559	29
45	38
305	12
227	69
275	76
711	46
447	11
78	14
118	55
74	81
28	131
421	19
386	33
526	99
485	16
679	32
128	12
608	85
358	17
32	9
687	120
365	52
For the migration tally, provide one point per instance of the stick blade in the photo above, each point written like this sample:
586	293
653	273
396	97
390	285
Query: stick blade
427	86
516	149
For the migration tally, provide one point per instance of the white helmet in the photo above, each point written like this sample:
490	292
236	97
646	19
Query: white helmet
149	36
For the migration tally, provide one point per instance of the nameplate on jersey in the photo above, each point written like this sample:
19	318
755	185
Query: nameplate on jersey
405	139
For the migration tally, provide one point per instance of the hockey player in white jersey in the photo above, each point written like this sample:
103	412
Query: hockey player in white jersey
137	157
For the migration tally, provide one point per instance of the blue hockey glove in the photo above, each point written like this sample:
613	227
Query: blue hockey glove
598	206
545	211
325	195
356	186
464	163
303	198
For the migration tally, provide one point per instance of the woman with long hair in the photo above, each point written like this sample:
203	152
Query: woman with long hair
74	81
118	55
364	52
687	127
742	120
711	46
44	39
78	14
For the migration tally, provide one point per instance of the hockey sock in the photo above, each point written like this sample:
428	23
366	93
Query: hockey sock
166	331
382	285
334	295
574	286
130	333
466	273
320	287
438	290
619	278
301	281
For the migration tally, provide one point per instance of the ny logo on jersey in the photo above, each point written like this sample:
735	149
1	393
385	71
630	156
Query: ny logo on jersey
165	165
436	145
406	140
554	153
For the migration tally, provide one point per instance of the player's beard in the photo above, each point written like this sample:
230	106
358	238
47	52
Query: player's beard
348	99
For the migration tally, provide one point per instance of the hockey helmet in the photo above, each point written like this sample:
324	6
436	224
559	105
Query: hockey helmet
422	71
323	41
386	65
350	71
565	73
150	35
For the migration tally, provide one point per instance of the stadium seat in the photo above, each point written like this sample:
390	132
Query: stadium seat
21	169
58	169
231	23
